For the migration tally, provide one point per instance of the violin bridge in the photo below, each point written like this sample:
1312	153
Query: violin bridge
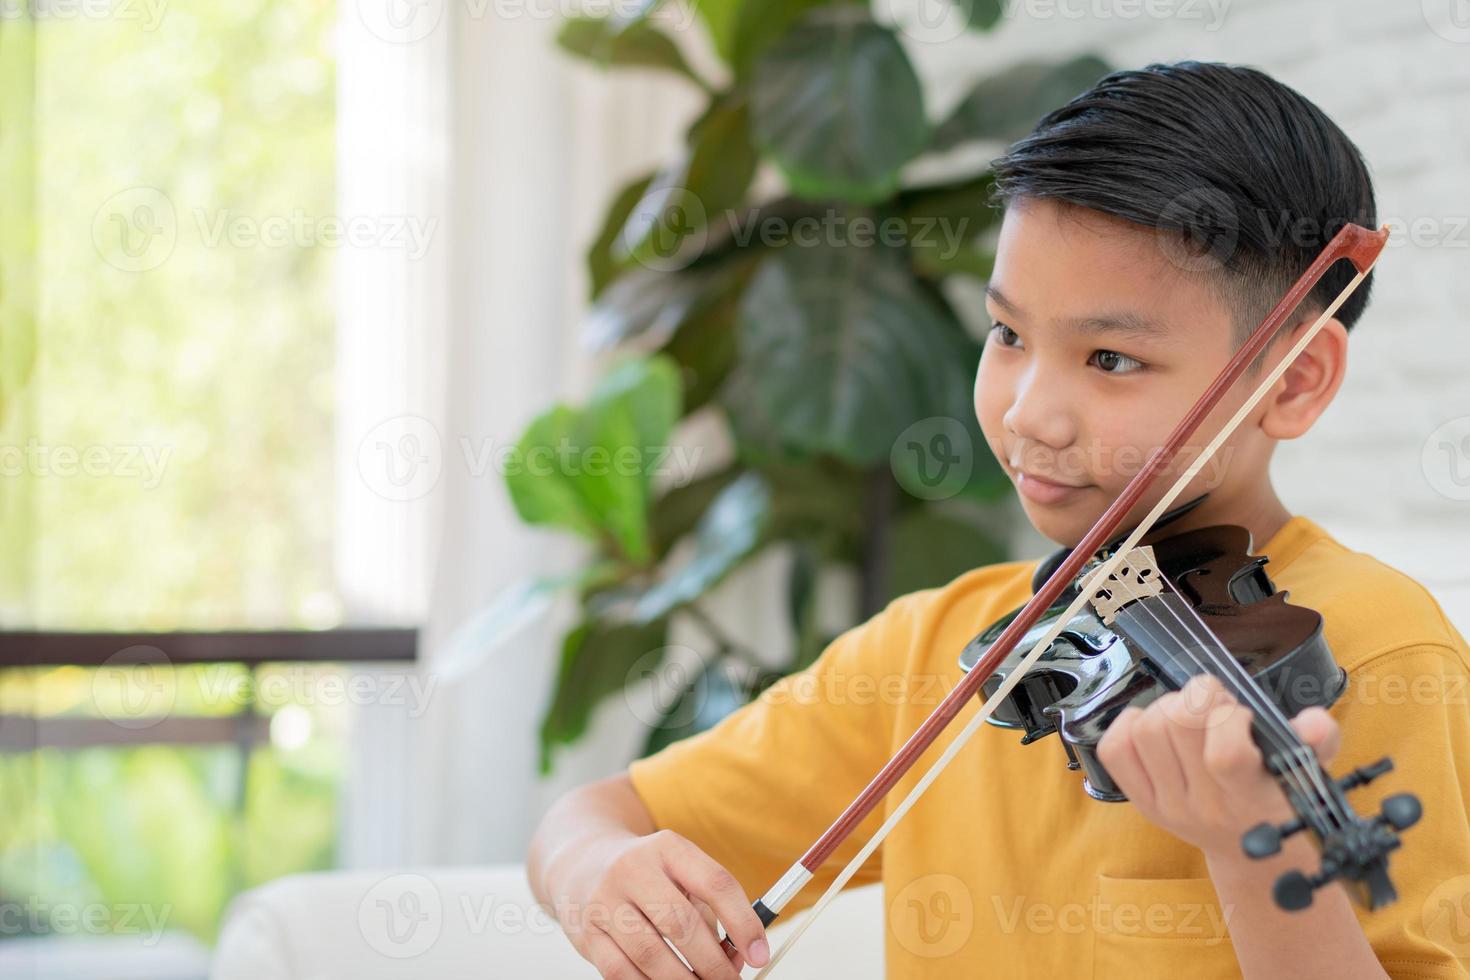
1136	577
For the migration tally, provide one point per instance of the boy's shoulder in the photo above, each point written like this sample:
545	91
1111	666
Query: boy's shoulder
1369	608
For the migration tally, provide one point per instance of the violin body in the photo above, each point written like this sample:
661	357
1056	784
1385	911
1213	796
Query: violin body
1095	669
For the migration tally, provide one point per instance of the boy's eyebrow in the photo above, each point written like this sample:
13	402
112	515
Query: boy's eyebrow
1126	321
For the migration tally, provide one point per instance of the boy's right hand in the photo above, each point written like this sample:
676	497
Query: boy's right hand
619	900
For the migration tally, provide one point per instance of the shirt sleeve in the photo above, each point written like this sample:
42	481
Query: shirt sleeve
1413	706
756	790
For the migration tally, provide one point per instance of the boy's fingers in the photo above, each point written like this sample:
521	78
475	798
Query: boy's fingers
645	946
708	914
699	875
610	960
1117	752
680	922
1319	730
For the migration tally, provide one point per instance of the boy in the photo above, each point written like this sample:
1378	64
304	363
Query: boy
1106	329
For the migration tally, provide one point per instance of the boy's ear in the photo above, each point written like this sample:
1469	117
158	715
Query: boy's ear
1308	386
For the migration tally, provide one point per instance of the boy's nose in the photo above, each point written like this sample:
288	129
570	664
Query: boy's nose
1039	413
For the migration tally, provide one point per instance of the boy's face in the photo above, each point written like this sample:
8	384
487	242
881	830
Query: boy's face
1100	344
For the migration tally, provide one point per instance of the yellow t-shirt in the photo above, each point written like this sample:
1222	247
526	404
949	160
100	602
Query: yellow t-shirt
1006	867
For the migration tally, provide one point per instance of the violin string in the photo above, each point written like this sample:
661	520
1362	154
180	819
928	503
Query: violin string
1291	774
1302	760
1276	729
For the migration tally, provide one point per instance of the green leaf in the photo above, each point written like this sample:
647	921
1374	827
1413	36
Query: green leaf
710	696
838	107
942	223
727	533
719	17
602	265
644	304
758	24
982	15
517	606
590	470
597	661
932	544
840	351
607	42
1007	106
801	603
678	511
670	224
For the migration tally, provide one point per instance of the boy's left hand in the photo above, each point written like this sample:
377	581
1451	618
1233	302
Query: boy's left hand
1187	762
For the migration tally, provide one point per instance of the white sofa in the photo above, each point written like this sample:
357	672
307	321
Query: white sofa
479	923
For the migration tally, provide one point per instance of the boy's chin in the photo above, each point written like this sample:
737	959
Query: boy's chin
1066	525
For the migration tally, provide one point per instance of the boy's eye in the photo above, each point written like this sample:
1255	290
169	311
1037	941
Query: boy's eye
1004	335
1112	362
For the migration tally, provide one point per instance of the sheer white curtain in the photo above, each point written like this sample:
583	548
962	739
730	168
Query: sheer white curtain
474	118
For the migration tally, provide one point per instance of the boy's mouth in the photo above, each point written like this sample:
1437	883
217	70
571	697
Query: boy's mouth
1046	491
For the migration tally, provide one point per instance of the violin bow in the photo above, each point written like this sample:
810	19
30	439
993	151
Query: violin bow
1360	246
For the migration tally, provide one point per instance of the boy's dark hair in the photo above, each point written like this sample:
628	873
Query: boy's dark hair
1253	177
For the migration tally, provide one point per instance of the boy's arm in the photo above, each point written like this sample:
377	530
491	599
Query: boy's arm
726	811
1187	762
620	888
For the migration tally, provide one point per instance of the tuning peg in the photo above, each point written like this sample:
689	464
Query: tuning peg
1401	810
1364	775
1264	840
1294	889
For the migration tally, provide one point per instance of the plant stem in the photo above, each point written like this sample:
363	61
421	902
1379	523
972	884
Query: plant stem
722	640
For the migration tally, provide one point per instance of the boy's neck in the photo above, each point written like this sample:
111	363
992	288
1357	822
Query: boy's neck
1261	513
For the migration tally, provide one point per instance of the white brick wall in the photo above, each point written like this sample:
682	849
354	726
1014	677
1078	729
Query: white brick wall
1401	90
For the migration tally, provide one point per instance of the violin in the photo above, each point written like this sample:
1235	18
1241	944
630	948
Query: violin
1195	603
